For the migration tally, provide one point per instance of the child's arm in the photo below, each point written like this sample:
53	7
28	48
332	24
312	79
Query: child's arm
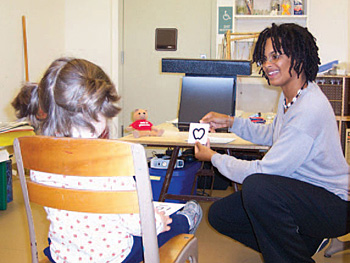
131	222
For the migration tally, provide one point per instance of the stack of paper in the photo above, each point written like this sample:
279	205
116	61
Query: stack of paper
15	126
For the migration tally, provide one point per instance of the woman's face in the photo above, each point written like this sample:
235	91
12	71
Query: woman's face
276	66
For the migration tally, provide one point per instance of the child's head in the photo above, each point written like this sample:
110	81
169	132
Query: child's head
73	95
294	41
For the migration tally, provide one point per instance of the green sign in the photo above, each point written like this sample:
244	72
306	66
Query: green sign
225	19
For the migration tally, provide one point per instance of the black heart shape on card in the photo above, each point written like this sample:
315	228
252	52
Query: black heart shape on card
198	133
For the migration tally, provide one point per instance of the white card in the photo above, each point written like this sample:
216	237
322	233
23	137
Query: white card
168	208
198	132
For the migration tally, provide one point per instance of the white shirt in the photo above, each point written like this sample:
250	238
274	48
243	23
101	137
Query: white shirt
87	237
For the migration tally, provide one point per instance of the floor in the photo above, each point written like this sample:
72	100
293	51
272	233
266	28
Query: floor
213	247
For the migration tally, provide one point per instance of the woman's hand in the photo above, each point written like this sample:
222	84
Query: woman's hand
203	153
166	220
217	120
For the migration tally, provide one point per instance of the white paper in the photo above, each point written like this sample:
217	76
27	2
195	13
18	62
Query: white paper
220	139
168	208
4	156
198	132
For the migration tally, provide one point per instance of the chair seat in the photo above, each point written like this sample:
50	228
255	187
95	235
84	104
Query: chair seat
44	260
173	250
336	246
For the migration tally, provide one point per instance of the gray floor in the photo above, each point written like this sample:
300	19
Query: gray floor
213	247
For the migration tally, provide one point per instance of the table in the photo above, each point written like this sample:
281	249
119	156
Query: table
6	142
174	139
6	139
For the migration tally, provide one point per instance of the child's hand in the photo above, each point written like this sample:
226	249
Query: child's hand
166	220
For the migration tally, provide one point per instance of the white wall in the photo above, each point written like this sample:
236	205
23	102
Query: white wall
329	23
79	28
45	34
91	32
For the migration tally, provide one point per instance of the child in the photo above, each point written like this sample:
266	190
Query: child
75	98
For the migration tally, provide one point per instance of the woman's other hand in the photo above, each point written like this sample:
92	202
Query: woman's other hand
203	153
217	120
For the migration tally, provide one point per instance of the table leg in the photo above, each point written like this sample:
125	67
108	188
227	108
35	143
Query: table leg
169	173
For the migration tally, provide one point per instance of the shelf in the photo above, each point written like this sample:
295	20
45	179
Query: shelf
270	17
344	118
330	85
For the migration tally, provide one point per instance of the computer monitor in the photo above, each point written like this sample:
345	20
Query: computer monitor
200	95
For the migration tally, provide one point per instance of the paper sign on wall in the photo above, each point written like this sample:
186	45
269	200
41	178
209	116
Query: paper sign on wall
225	19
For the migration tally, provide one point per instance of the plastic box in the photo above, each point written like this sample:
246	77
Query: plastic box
181	181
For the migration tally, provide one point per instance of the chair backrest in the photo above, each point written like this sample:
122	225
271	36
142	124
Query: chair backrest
88	157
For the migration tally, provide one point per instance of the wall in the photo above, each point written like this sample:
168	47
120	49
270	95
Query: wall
54	29
329	23
92	34
45	34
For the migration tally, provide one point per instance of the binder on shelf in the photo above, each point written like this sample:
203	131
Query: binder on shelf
6	194
6	127
347	145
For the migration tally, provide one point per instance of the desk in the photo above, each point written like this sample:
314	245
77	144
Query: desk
6	139
6	142
174	139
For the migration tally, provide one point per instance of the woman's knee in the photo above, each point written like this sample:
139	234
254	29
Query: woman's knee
225	210
219	212
252	183
213	212
255	188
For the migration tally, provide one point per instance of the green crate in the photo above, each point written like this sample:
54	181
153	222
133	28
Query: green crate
3	186
6	190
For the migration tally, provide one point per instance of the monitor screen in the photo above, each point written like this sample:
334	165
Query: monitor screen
200	95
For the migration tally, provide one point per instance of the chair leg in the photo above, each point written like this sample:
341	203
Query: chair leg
202	172
336	246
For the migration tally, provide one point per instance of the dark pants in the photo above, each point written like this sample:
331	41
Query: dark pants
283	218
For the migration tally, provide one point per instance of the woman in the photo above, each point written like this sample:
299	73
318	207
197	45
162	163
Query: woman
298	194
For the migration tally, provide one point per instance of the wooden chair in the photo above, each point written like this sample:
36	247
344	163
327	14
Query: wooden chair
235	36
96	157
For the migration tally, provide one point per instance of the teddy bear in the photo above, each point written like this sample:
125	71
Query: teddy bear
141	127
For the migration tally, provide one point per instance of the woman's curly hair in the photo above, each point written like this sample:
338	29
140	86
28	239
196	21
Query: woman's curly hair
296	42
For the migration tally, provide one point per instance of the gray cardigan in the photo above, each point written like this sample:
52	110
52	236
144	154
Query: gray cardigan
304	142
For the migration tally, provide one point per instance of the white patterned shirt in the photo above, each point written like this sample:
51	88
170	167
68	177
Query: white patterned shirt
87	237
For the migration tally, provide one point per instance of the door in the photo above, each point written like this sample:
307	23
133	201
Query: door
142	84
